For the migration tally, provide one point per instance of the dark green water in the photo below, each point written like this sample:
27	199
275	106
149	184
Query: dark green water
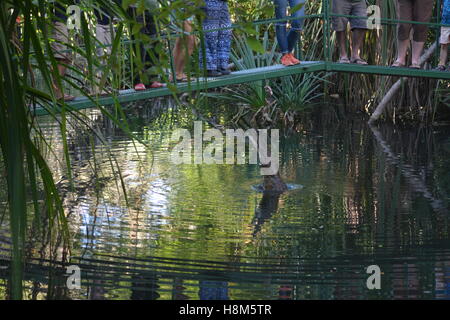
369	197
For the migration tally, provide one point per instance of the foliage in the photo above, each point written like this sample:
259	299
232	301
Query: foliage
297	92
30	182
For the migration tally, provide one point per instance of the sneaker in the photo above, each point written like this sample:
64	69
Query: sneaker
294	60
286	60
224	71
213	73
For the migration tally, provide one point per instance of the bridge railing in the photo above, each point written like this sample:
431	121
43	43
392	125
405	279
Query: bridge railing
326	15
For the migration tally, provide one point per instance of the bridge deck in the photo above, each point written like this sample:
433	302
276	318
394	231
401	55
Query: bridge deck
246	76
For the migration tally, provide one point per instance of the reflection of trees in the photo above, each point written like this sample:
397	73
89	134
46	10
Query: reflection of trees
95	174
178	289
144	286
414	180
354	204
369	207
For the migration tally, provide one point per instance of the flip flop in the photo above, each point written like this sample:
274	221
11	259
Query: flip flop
183	79
140	87
359	61
178	79
397	64
67	98
104	93
414	66
187	79
344	60
440	68
156	84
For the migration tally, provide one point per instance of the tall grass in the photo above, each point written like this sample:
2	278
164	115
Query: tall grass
30	181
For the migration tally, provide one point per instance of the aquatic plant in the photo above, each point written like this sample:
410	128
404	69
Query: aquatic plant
278	99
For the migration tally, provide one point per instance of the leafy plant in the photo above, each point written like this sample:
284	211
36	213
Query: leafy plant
298	92
30	182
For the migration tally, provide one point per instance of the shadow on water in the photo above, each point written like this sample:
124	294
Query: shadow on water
266	208
368	196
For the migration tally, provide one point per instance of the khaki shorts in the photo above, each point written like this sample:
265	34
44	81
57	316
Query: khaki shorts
59	46
414	10
445	35
353	8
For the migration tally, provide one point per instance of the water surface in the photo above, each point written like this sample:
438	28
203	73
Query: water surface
375	196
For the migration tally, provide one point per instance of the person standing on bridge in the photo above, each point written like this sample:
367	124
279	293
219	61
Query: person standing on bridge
288	40
185	44
104	32
358	26
146	57
412	10
60	47
217	42
445	36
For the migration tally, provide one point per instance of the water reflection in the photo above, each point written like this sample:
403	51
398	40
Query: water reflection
370	196
266	208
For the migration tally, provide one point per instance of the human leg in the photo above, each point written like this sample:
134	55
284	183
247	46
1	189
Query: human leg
341	7
210	25
280	26
444	41
359	27
357	41
297	24
62	55
147	54
422	12
184	47
404	12
104	35
224	39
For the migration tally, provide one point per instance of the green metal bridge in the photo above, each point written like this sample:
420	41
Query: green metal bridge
245	76
258	74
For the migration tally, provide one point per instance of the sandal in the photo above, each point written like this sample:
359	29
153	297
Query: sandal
139	87
414	66
183	78
359	61
344	60
67	98
440	68
156	85
397	64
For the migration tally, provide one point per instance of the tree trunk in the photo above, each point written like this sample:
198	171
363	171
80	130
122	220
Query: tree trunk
391	93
